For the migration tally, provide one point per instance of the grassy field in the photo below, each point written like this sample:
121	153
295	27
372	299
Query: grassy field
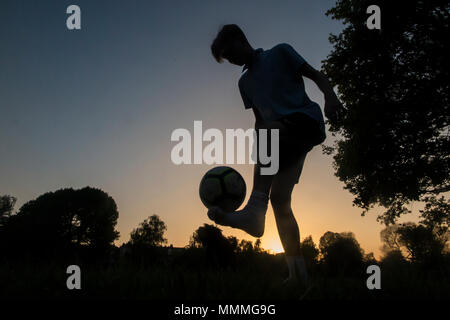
258	277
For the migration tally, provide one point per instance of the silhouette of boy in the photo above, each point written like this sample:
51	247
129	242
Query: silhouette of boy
272	86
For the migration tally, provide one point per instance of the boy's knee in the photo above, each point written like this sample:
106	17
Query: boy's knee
280	199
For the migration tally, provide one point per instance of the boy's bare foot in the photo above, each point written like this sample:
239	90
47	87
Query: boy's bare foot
252	223
251	219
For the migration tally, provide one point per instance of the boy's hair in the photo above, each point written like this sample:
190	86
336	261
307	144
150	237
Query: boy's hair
226	35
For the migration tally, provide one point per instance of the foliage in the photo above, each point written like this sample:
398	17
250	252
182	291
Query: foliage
7	204
341	253
426	241
417	242
63	220
436	215
150	233
210	233
394	83
309	250
246	246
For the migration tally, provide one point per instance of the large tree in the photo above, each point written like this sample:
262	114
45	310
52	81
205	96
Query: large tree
149	233
417	242
63	220
394	144
426	241
220	250
341	253
309	250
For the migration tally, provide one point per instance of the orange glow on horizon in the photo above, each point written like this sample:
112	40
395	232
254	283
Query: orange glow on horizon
275	247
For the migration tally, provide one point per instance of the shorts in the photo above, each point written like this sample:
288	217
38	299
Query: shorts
298	134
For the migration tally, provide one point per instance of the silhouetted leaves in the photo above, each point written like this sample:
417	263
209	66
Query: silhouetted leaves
395	85
62	221
309	251
220	251
6	207
418	242
425	242
341	254
150	233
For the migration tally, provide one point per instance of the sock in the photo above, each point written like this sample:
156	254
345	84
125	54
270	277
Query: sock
297	268
250	219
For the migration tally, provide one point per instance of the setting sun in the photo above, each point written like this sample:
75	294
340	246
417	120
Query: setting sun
275	246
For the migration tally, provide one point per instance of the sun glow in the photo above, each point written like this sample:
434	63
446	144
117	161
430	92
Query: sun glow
275	246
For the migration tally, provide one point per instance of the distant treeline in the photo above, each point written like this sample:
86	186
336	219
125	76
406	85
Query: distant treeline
70	226
80	224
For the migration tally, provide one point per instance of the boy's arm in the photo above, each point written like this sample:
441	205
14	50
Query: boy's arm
258	118
249	105
333	106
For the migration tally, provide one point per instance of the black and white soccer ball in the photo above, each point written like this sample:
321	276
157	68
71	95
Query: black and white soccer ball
222	187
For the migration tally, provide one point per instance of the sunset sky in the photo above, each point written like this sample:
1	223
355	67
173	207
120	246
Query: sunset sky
96	107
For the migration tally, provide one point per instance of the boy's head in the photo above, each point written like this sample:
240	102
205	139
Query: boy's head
231	44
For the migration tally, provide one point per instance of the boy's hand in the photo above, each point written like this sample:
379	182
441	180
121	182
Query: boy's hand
333	110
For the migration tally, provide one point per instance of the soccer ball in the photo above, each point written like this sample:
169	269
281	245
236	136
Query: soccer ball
222	187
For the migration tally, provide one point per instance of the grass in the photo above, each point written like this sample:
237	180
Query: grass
254	278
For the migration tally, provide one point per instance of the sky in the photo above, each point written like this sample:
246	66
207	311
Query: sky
97	106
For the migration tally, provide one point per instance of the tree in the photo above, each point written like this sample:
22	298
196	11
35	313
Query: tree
436	216
220	251
394	83
418	242
309	250
390	238
341	253
7	204
425	241
63	220
245	246
257	247
150	233
370	258
234	242
394	263
326	240
194	241
207	234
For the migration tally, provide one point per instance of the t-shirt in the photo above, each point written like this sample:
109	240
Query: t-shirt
273	85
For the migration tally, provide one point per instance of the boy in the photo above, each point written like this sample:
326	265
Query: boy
272	86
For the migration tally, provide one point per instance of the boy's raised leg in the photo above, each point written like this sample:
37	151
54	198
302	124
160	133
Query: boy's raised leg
252	217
